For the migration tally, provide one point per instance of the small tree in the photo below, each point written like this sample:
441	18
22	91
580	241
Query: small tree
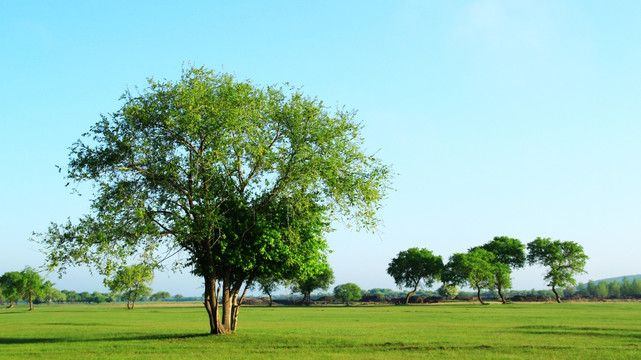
448	291
347	292
132	282
414	266
267	285
563	259
159	296
307	285
11	283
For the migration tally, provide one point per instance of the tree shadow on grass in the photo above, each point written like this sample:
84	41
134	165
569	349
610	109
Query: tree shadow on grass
19	341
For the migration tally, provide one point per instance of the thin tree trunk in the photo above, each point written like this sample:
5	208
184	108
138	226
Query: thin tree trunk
409	295
498	287
558	299
11	304
478	294
236	307
30	302
270	300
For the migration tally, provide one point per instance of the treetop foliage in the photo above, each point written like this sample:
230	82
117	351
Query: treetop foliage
347	292
506	250
414	266
563	259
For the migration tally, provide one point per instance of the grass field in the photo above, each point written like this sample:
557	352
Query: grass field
445	331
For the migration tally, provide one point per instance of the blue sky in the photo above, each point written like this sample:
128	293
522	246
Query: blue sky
516	118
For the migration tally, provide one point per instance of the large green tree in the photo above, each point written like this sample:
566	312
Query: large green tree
131	281
476	268
509	252
243	180
414	267
563	260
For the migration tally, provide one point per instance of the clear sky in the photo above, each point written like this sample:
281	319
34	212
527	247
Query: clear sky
516	118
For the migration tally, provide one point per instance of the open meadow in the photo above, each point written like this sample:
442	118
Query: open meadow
444	331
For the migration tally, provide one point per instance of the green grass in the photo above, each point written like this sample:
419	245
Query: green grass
449	331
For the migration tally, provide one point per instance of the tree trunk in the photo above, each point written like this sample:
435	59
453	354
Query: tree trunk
501	294
478	294
409	295
237	302
558	299
211	304
129	301
30	303
225	324
11	304
227	308
270	300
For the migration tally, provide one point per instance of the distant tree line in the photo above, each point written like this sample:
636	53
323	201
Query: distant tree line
607	289
70	296
27	285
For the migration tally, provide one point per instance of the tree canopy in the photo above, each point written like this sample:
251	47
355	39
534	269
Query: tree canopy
306	285
242	180
347	292
11	285
159	296
564	259
413	267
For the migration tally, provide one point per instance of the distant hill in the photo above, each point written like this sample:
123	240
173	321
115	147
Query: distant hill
620	278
